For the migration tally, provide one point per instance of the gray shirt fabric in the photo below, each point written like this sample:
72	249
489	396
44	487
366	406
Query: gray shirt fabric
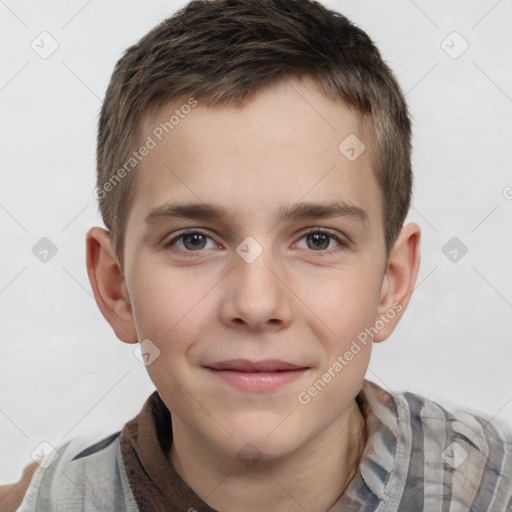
418	457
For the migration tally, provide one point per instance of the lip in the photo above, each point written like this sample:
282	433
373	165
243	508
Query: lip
263	375
245	365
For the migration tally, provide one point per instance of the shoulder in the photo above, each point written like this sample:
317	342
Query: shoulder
11	495
463	454
473	430
80	475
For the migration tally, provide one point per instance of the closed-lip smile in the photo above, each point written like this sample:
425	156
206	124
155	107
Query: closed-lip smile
263	375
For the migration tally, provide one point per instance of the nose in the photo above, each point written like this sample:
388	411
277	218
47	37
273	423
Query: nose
256	296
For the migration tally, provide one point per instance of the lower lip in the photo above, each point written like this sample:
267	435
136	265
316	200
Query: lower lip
258	381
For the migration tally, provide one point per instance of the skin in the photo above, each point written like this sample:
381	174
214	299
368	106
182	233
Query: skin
11	495
204	303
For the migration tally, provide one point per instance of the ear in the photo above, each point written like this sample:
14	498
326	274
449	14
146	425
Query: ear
108	285
399	279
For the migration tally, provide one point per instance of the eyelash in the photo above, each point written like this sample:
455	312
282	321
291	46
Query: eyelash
342	244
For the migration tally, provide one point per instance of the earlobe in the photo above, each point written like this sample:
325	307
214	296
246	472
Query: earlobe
108	284
399	279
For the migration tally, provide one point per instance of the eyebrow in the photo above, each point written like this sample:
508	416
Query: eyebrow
298	211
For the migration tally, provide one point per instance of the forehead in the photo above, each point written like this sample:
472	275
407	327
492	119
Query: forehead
288	143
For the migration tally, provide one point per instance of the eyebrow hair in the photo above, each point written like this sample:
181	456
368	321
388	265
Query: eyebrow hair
298	211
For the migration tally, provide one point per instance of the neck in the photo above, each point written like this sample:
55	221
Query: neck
311	478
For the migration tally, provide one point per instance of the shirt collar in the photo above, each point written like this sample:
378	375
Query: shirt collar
155	484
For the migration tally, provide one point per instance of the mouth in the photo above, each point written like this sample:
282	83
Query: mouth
256	375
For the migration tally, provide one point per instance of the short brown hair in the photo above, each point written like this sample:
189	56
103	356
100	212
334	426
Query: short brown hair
222	52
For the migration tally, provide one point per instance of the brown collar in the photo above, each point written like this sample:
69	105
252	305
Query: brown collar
145	441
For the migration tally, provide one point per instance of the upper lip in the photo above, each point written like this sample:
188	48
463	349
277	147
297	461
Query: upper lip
244	365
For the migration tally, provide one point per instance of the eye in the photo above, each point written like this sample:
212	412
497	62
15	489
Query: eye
319	239
189	241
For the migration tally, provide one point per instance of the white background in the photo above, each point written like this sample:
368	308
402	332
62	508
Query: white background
63	373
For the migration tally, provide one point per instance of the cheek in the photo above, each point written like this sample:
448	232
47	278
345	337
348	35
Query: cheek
167	311
165	302
347	305
346	312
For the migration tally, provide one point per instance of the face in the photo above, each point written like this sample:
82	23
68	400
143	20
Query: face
252	295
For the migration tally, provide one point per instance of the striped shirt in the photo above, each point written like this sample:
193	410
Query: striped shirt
418	456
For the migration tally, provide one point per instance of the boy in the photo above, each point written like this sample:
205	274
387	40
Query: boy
254	176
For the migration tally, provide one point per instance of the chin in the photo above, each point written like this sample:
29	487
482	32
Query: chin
265	438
